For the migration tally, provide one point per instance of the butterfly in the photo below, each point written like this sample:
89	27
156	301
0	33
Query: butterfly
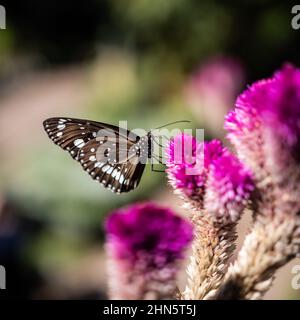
113	156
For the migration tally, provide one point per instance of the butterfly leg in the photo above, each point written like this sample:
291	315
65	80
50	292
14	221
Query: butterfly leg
159	159
157	143
154	170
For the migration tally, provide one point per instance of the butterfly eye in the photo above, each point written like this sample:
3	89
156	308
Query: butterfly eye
106	152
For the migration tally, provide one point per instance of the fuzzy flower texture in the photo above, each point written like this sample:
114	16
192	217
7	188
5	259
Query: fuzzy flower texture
216	187
208	174
275	101
264	127
145	243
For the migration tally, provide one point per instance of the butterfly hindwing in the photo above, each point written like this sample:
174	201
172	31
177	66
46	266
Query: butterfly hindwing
115	174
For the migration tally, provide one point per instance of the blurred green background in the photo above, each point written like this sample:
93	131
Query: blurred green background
147	62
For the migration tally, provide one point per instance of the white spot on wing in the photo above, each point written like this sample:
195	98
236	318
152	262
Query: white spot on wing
114	173
61	126
92	158
118	175
98	164
110	170
105	168
79	143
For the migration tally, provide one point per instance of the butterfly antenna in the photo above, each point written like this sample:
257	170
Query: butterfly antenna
168	124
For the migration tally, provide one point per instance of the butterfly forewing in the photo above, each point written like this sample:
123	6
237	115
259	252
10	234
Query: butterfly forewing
108	153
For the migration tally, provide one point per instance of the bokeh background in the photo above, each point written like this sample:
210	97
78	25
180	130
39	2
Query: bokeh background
145	61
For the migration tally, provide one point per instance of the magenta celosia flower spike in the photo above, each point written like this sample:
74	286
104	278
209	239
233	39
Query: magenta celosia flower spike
144	244
221	180
218	194
181	155
229	187
264	127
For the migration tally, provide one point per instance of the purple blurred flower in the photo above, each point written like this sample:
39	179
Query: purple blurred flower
148	229
144	244
212	90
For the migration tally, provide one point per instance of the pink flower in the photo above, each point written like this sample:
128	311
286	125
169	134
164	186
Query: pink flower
144	244
264	127
218	194
265	124
222	185
181	155
282	106
148	229
229	187
212	90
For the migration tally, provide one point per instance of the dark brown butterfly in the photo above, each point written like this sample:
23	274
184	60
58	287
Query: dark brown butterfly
111	155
